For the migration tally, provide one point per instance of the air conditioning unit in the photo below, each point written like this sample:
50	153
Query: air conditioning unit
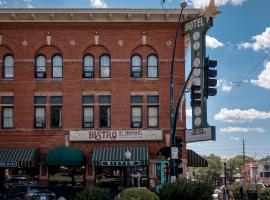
40	74
40	124
88	125
136	74
89	74
136	124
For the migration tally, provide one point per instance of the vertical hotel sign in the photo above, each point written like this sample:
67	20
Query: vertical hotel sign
196	30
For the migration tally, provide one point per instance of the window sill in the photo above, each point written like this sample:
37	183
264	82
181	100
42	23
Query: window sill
144	79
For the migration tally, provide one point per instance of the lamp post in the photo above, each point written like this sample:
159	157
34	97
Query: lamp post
183	4
128	157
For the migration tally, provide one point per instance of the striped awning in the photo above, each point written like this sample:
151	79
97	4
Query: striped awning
195	160
18	157
115	156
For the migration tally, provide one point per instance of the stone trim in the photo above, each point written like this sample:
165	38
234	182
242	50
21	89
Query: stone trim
48	93
6	94
96	93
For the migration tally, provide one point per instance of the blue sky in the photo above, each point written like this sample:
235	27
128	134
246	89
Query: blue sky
240	41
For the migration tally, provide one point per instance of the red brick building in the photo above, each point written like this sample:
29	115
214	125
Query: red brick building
88	80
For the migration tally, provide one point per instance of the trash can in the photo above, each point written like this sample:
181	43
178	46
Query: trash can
252	195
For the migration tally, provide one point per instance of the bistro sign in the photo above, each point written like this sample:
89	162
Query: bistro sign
120	163
8	164
116	135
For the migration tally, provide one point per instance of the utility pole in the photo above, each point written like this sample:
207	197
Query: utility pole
243	165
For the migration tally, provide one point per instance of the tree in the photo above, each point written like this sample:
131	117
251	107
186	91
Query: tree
236	163
267	159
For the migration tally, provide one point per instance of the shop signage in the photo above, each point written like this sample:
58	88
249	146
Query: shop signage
201	134
116	135
120	163
8	164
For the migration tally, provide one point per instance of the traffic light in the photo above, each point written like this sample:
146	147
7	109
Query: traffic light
167	170
195	95
178	143
210	77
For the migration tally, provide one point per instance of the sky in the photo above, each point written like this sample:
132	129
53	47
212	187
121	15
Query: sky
240	42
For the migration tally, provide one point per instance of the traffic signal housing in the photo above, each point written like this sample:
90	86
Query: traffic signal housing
178	167
210	77
195	95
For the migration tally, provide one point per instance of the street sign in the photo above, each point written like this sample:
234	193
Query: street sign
174	152
200	134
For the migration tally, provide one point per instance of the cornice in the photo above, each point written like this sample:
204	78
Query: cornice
96	15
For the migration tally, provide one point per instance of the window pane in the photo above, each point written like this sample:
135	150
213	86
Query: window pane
136	99
152	72
152	99
40	100
152	60
57	72
136	69
104	99
56	99
56	117
57	61
136	114
105	72
105	61
7	100
8	72
9	62
104	116
153	116
41	61
88	69
88	61
40	113
88	113
136	61
7	117
88	100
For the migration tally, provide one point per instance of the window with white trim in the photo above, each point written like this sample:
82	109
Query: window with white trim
88	66
57	66
152	66
40	112
152	111
136	66
7	112
88	112
40	70
8	67
105	67
136	111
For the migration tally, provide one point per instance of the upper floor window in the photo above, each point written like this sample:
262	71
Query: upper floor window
105	67
88	112
8	68
57	66
152	111
40	71
136	66
56	111
7	112
136	111
152	66
40	112
104	111
88	66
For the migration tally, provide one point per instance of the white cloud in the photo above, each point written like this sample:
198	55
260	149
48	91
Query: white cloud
259	42
235	138
241	116
213	43
204	3
28	3
264	78
242	130
188	112
98	4
225	85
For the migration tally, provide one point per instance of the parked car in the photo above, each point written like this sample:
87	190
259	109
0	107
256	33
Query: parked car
36	192
216	194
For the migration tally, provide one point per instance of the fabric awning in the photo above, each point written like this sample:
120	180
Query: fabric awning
195	160
18	157
115	156
64	156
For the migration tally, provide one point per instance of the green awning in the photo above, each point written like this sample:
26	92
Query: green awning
195	160
65	156
115	156
18	157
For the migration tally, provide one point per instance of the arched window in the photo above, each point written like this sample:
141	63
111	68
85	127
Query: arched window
105	67
88	66
40	71
136	66
152	66
8	68
57	66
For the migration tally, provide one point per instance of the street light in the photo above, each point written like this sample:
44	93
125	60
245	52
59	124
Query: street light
128	157
183	4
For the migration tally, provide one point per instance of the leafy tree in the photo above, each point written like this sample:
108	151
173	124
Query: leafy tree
236	162
137	194
93	193
267	158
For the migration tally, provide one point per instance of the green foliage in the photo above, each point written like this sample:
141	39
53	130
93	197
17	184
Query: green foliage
93	193
264	194
137	194
234	189
187	191
236	162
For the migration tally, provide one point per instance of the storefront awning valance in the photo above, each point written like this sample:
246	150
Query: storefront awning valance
64	156
195	160
115	156
18	157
